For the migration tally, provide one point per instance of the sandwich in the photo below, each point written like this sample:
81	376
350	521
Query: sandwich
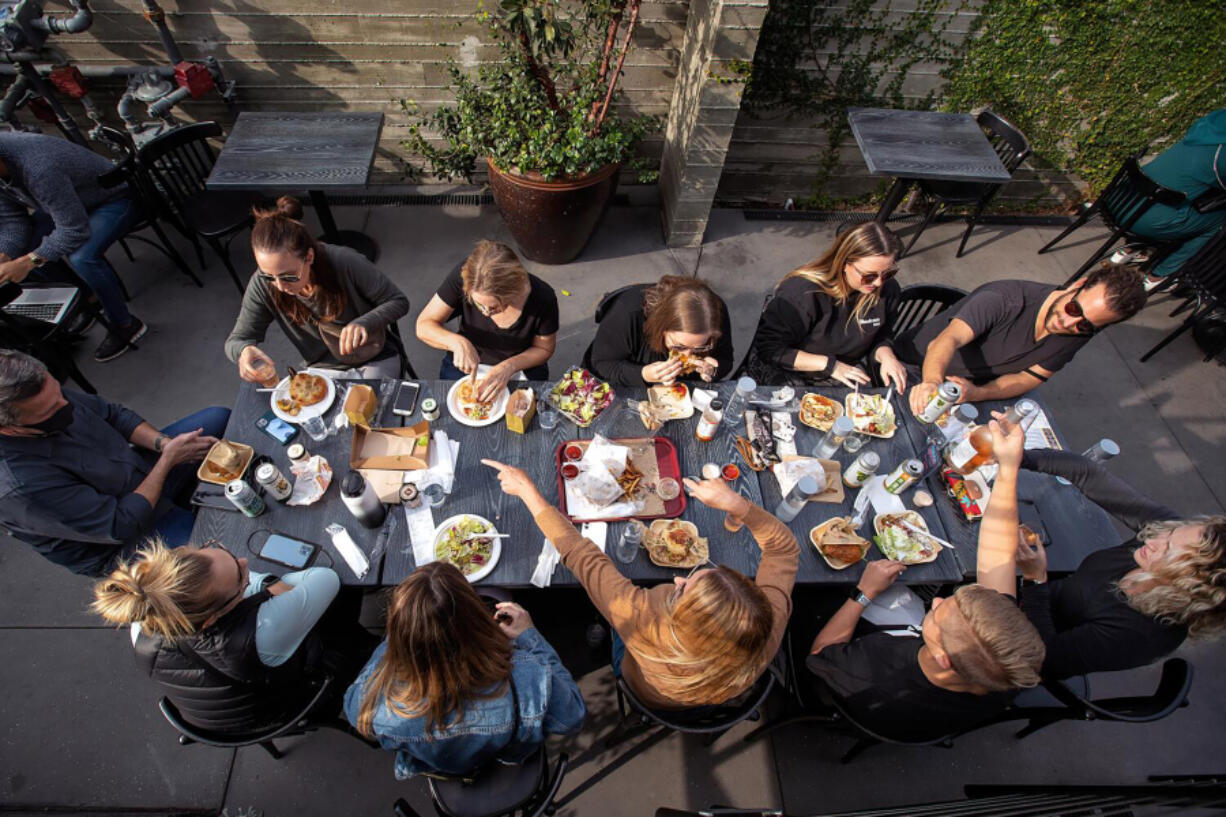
689	363
838	543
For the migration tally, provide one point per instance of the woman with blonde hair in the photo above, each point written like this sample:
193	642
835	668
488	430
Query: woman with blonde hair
829	315
1128	605
676	329
335	307
706	638
455	684
508	320
227	642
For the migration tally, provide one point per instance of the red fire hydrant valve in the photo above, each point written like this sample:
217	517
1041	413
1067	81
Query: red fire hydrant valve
195	77
68	80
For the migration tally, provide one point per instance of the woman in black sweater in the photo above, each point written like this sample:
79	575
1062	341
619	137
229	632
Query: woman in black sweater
830	314
1128	605
676	330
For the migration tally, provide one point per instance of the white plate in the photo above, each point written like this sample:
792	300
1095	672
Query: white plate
495	551
306	412
496	413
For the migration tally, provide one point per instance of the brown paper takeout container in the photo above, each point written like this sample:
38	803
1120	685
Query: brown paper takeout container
521	406
391	449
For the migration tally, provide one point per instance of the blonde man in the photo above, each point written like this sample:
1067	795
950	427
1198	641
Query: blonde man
975	648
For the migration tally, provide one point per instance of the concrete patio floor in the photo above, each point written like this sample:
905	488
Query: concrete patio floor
79	728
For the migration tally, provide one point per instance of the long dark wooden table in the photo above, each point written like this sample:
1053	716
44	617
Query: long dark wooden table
1075	527
312	150
910	145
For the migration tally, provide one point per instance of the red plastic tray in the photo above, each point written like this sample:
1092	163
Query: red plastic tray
669	465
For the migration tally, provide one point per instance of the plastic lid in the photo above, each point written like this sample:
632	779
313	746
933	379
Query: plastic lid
871	459
746	384
353	484
843	424
717	405
264	470
807	485
1110	447
967	412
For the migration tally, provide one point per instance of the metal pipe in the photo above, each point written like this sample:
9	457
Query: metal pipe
97	71
155	15
161	108
67	124
75	24
124	109
12	98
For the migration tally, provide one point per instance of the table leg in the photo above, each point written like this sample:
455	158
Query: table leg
892	199
353	239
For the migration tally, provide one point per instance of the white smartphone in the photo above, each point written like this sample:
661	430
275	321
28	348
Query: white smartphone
406	399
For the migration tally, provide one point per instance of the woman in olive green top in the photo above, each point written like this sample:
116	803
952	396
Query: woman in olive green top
335	306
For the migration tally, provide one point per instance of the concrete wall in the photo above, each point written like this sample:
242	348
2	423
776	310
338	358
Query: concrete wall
359	55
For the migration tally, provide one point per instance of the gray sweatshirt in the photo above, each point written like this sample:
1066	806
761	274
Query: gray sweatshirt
371	301
57	177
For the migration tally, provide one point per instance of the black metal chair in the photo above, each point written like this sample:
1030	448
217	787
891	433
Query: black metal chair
917	303
145	194
179	161
1011	146
497	790
45	341
1125	199
1171	694
1203	277
306	719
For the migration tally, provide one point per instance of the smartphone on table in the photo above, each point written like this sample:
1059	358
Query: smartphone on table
287	552
406	398
275	427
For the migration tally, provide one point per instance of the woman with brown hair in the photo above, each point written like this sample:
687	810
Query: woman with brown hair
706	638
677	329
830	314
455	685
508	319
334	305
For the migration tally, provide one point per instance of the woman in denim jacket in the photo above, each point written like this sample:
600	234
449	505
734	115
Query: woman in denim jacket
452	688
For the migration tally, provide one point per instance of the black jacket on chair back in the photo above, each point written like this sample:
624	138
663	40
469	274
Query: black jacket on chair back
216	679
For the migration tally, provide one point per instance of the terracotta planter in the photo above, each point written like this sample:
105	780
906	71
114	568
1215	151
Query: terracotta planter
552	221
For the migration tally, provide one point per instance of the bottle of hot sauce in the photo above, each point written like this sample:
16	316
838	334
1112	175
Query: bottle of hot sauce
975	449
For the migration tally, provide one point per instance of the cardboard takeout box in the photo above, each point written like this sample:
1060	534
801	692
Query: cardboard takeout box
524	399
391	449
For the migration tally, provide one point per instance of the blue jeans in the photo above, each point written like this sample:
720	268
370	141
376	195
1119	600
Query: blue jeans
448	370
107	224
619	652
175	526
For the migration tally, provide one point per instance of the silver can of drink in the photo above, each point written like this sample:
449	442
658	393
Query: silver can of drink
859	471
904	476
275	485
947	394
429	409
244	498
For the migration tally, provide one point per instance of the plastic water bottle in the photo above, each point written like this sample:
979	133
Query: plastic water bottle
792	504
739	399
839	431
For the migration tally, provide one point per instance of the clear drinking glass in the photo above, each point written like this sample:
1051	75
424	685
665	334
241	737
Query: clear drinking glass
316	428
668	489
433	493
627	547
548	417
853	442
266	372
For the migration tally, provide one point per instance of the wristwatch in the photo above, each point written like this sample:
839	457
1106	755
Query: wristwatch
158	442
36	259
1025	582
857	595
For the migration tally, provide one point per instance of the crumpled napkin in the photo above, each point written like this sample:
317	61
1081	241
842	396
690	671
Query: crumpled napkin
311	480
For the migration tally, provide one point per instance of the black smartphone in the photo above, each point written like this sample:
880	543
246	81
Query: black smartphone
406	399
287	552
275	427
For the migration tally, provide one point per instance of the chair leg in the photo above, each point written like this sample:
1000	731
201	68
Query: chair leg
223	252
127	251
710	738
857	750
1033	726
929	214
170	252
401	808
1080	220
1162	344
271	748
970	225
1192	301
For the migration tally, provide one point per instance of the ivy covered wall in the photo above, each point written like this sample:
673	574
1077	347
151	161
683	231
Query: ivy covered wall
1088	82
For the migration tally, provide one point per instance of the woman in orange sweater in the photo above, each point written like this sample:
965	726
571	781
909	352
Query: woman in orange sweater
706	638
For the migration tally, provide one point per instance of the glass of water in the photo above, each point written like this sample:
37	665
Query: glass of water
627	547
548	417
432	491
853	442
316	428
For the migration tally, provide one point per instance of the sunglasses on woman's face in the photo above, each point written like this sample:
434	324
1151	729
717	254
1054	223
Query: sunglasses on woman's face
1074	310
281	279
871	277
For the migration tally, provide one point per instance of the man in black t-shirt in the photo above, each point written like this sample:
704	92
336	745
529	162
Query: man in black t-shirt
974	650
1007	337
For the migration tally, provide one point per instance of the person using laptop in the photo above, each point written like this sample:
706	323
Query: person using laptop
52	208
84	481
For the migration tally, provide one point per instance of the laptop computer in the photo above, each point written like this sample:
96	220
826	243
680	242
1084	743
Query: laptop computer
48	304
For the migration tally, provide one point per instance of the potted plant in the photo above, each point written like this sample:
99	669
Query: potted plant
542	119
